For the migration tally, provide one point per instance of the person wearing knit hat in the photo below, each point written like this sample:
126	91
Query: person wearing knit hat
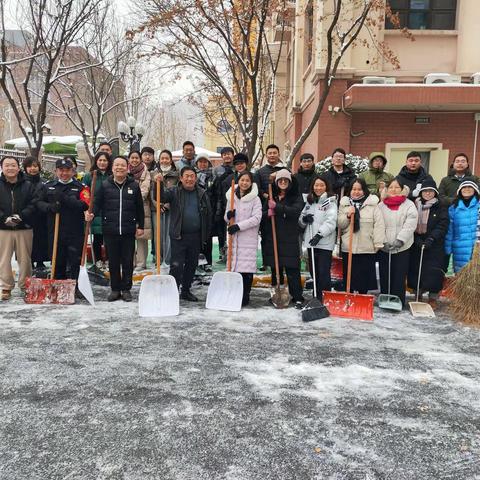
430	235
462	230
286	206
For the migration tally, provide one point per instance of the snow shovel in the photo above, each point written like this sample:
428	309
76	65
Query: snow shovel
225	291
50	290
158	295
83	280
280	296
421	309
314	309
388	301
346	304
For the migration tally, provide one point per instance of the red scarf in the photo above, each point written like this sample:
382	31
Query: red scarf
136	171
393	203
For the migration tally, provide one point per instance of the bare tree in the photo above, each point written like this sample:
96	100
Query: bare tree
226	46
50	27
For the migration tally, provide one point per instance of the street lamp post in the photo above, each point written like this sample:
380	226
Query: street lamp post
131	132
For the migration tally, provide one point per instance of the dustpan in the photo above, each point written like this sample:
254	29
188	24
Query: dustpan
346	304
50	290
225	291
388	301
158	295
421	309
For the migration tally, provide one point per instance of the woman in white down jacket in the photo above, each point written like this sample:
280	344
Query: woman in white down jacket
319	219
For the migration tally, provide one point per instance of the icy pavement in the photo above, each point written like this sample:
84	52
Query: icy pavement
98	393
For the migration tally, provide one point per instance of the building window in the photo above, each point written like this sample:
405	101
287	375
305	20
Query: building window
308	33
424	14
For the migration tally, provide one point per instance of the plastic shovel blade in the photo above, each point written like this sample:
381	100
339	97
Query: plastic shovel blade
314	310
158	297
390	302
421	309
45	291
225	292
84	285
349	305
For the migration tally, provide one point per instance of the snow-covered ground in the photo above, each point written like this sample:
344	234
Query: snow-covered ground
99	393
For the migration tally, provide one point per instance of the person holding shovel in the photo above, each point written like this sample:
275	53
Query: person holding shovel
368	235
319	220
286	206
247	215
17	210
401	219
119	204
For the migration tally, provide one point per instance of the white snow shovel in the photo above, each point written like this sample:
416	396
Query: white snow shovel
225	291
421	309
83	280
158	293
389	301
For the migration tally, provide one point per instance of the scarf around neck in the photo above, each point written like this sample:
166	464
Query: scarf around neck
136	171
393	203
423	214
358	204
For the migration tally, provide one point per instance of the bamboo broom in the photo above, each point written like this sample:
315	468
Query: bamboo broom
465	291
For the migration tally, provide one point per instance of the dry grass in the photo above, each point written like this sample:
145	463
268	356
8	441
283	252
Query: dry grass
465	292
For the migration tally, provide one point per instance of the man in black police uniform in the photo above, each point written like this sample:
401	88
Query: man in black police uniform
70	198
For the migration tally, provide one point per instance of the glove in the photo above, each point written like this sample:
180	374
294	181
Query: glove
428	242
418	242
308	218
271	212
54	207
396	245
9	222
416	191
233	229
315	239
230	214
16	219
272	204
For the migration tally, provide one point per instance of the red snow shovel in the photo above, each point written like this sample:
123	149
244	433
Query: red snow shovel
346	304
49	290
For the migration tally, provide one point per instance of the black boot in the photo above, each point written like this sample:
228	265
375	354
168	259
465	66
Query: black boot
113	296
127	296
188	295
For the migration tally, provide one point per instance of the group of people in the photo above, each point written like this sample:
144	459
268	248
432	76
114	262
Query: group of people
392	221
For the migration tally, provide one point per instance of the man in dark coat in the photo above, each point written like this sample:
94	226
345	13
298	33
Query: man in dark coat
17	210
459	172
413	174
189	228
119	204
339	175
70	198
263	175
305	173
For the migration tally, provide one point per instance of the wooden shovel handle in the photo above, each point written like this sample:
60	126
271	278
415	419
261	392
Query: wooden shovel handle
55	244
87	226
231	222
350	254
157	235
274	236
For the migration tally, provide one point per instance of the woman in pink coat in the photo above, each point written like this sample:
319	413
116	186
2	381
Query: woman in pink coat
247	214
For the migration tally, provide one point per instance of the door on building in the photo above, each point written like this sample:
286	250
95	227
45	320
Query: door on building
434	158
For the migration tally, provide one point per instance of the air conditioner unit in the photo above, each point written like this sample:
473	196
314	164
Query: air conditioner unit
378	80
434	78
476	78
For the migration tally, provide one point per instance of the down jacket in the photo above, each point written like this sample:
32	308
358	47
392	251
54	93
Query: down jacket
400	224
324	222
371	235
248	215
460	238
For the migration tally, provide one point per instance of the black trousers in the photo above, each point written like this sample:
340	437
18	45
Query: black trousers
323	264
294	282
121	254
97	246
221	234
398	277
69	254
207	250
247	286
184	261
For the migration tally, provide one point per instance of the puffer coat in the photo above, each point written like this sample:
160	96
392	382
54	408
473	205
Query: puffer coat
460	238
324	212
371	235
248	215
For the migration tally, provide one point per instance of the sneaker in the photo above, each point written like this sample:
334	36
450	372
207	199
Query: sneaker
221	259
299	304
113	296
127	296
207	268
6	294
188	295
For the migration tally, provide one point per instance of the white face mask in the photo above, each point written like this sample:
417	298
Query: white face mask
165	168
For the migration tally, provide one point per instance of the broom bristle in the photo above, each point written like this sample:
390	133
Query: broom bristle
465	290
